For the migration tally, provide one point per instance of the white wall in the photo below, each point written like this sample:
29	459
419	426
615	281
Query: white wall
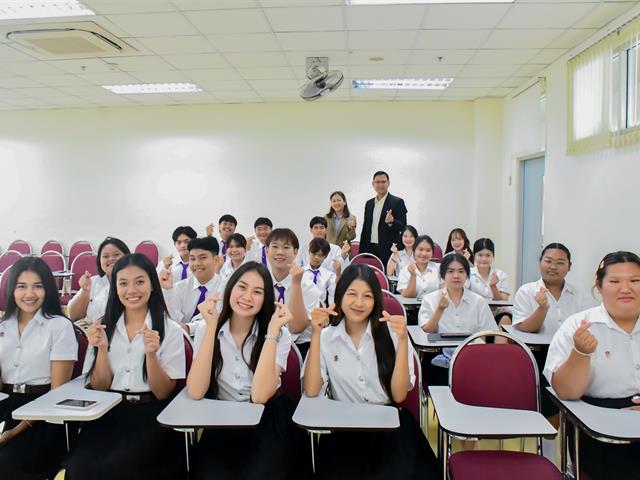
138	172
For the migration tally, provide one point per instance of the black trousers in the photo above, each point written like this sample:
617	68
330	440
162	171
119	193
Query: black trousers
380	250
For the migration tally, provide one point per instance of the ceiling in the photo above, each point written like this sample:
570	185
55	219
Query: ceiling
254	50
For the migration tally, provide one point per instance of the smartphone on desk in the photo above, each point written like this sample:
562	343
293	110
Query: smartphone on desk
76	404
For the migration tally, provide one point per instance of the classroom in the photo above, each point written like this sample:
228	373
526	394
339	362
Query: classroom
172	140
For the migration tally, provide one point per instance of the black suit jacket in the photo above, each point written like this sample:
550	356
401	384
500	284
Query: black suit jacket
387	234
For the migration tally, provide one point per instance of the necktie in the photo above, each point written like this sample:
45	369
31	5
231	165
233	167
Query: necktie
201	298
224	249
185	270
264	254
315	275
280	289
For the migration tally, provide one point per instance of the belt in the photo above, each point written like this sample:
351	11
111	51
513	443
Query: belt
137	398
23	388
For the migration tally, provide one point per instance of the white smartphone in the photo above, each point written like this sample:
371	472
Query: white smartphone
76	404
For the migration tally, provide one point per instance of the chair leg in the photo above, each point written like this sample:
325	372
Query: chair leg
576	461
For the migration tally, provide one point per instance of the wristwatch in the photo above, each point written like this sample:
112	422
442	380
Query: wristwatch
274	337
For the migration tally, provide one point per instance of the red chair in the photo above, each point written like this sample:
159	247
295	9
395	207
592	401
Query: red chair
150	249
77	248
391	304
84	262
368	259
52	246
4	280
437	254
291	385
413	401
21	246
355	249
83	344
382	278
498	376
8	258
56	263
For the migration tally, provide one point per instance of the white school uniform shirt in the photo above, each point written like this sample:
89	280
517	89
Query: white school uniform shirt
98	296
404	259
614	370
255	252
325	283
472	315
176	268
27	358
235	378
335	253
426	282
127	358
571	301
351	373
478	285
310	298
182	299
377	216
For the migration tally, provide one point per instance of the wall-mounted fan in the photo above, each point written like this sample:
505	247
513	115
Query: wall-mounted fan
321	80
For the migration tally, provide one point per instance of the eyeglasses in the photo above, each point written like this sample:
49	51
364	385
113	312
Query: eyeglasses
557	263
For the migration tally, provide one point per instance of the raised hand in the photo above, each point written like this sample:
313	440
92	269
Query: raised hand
210	229
412	267
583	339
493	280
166	279
443	303
96	335
218	262
151	339
209	311
467	254
167	261
346	249
250	241
541	298
296	272
85	281
394	249
279	319
389	217
397	324
320	317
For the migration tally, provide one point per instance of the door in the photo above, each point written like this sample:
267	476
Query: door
531	213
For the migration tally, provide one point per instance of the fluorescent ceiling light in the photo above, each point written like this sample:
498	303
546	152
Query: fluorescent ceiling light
409	2
16	9
404	83
133	89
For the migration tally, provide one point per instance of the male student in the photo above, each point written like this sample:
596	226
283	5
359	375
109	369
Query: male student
257	245
178	263
337	259
226	226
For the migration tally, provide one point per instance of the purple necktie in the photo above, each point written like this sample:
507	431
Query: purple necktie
315	275
203	292
185	270
280	289
224	249
264	254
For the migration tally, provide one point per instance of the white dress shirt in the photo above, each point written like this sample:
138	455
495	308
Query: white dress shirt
98	296
27	358
351	372
478	284
404	259
472	315
335	253
127	357
182	299
378	205
325	283
310	298
235	378
426	282
614	370
571	301
255	252
177	267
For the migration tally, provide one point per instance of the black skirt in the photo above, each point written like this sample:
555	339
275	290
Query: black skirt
547	407
402	454
127	443
274	450
36	453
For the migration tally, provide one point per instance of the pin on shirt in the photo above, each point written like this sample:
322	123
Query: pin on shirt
335	358
607	353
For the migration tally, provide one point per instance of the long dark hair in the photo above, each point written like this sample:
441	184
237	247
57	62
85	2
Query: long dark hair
115	309
262	318
411	229
51	306
385	351
345	212
467	243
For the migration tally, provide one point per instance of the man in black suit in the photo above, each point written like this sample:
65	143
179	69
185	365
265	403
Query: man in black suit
384	218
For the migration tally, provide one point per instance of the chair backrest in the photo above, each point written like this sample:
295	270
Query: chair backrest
368	259
21	246
77	248
150	249
83	344
437	254
4	280
8	258
392	305
291	385
412	402
56	263
382	278
84	262
52	246
188	360
494	375
355	249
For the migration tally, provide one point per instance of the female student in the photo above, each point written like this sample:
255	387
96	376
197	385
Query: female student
595	356
240	355
139	352
452	309
458	242
341	224
400	259
38	349
421	276
91	300
364	356
488	282
236	254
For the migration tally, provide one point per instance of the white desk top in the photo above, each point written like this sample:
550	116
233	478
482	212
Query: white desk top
421	339
612	423
528	338
321	413
184	412
408	301
3	396
44	407
469	421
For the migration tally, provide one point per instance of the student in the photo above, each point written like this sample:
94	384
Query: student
595	354
323	279
421	276
91	300
364	356
338	258
182	299
236	256
38	349
226	226
341	224
240	355
139	352
256	246
458	242
488	282
452	309
400	259
298	293
179	264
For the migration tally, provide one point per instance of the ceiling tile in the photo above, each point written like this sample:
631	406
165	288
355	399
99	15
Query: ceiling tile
10	54
336	57
368	94
212	74
108	7
389	57
197	60
503	56
31	68
85	65
109	78
61	80
451	39
444	16
27	102
266	73
514	81
216	22
161	76
248	42
481	82
297	3
224	85
529	70
311	19
188	5
84	90
149	98
154	24
520	38
199	97
544	15
418	95
432	71
280	95
602	14
548	55
108	99
139	64
488	70
18	82
178	44
42	92
258	59
261	85
388	17
572	38
501	92
441	57
381	39
238	96
465	92
312	40
378	71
